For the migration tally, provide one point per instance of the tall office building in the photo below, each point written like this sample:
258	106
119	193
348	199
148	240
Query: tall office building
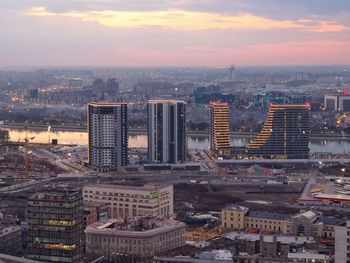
167	131
337	102
285	133
232	71
55	226
108	135
219	127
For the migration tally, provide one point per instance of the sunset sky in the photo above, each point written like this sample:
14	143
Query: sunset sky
174	32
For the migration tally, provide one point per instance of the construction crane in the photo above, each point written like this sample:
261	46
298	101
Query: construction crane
26	152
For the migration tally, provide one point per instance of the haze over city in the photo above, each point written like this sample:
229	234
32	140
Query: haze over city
162	131
211	33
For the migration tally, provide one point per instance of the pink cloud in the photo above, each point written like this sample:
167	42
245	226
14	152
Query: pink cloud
307	52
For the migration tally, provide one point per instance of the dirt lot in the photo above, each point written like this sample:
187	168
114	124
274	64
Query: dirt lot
214	198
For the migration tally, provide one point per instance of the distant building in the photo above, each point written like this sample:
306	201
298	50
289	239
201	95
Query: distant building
285	134
167	131
108	135
74	83
232	73
55	226
4	136
125	201
205	98
138	238
219	128
337	102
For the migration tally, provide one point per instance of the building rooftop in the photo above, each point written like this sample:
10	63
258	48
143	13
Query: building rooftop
283	239
165	101
333	220
107	104
269	215
59	194
134	226
311	215
235	207
10	259
146	187
332	197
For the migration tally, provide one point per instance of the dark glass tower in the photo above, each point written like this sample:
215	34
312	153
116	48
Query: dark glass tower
167	131
108	135
285	134
55	226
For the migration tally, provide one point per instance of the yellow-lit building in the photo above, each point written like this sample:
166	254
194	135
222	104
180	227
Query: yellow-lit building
219	128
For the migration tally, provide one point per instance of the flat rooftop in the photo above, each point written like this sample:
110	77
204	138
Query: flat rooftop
269	215
146	187
134	226
332	197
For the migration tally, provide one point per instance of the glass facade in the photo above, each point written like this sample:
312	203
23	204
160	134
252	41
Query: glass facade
285	134
55	227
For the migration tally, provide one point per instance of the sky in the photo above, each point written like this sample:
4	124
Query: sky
213	33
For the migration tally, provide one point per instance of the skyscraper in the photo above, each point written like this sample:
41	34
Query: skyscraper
285	133
108	135
167	131
219	127
55	226
232	72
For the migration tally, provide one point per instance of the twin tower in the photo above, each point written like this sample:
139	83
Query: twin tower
108	133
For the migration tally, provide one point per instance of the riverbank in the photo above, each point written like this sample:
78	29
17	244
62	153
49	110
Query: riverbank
142	131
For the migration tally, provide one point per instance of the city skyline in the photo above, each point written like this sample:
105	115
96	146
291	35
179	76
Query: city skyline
174	33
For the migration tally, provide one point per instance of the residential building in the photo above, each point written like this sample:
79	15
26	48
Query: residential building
108	135
55	226
128	201
139	238
167	131
219	128
285	134
337	102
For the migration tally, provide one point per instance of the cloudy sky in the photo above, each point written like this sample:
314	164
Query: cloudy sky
173	32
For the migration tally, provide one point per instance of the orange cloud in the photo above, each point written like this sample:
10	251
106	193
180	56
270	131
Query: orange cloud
186	20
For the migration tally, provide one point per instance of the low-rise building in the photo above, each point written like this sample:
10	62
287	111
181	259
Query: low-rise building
248	248
138	238
130	201
305	223
241	218
95	211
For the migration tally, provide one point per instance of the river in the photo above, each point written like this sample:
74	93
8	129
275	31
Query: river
140	141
